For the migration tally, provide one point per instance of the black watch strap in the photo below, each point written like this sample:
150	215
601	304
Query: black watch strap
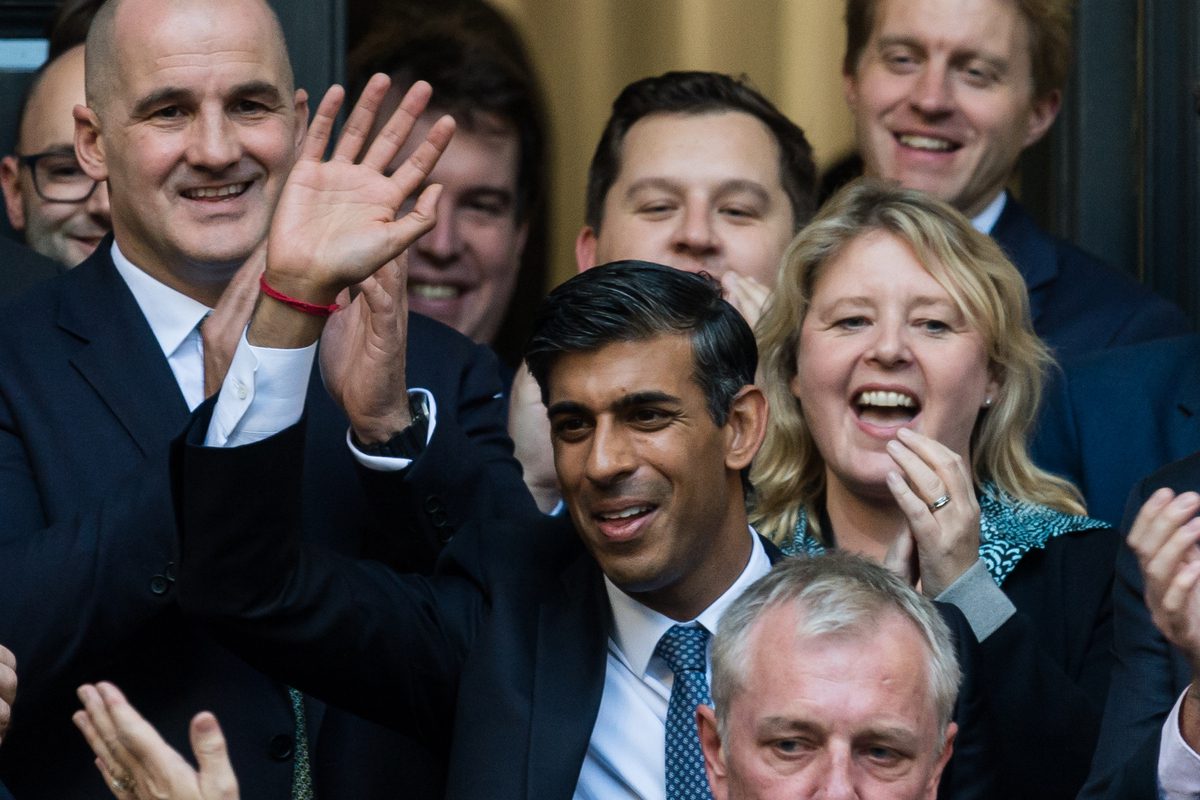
408	443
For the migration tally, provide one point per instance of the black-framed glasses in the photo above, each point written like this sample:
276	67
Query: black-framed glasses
57	176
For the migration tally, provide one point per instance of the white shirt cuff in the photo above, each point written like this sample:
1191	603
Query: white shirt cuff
390	463
262	394
1178	763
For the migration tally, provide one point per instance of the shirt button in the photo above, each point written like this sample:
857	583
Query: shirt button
239	389
159	584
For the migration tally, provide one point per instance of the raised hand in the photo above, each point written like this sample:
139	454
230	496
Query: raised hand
529	429
1164	538
336	220
8	687
134	760
363	354
745	294
946	537
222	330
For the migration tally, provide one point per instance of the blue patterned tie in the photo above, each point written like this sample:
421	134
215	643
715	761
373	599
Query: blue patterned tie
684	649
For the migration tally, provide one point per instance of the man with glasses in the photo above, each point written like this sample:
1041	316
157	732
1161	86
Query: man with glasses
61	211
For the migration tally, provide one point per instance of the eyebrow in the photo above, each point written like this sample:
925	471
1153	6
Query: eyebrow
176	94
994	61
725	187
623	404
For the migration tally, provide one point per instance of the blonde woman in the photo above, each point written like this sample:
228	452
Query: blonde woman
903	375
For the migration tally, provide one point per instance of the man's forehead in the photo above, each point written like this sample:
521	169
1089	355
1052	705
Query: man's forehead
684	147
623	372
47	121
897	23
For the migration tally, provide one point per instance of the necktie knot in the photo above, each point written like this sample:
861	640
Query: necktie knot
684	648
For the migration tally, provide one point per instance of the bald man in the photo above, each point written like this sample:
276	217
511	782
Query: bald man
61	211
193	121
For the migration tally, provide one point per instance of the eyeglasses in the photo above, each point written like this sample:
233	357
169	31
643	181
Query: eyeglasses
57	176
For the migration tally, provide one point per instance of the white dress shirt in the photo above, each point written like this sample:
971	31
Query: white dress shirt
986	219
626	754
174	320
1178	763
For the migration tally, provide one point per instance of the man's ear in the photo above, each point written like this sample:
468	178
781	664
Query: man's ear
714	755
1042	115
300	109
89	143
932	789
746	427
10	184
585	249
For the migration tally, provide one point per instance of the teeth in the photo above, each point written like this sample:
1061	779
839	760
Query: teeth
208	192
886	400
926	143
434	291
627	513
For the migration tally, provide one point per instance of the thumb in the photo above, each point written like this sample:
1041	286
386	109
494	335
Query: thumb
217	781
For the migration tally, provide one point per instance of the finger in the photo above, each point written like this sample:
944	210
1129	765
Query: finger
928	485
217	779
416	168
153	763
1177	549
104	740
362	117
949	465
120	788
7	657
915	510
900	558
116	787
321	128
1159	517
416	223
1176	599
392	136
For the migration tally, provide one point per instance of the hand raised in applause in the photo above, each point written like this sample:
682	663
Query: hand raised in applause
946	539
134	760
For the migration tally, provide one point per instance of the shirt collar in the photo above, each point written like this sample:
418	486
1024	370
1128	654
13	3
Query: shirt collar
172	315
986	220
637	629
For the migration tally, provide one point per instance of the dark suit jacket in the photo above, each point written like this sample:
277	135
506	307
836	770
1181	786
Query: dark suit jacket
1078	303
1149	674
1115	417
21	267
88	548
498	658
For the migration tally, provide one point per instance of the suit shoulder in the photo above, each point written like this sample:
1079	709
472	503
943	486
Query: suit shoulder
1157	357
1179	476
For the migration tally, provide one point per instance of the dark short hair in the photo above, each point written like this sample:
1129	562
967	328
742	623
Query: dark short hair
475	62
1048	23
629	301
701	93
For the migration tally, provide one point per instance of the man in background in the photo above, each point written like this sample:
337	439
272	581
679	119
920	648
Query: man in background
946	94
62	213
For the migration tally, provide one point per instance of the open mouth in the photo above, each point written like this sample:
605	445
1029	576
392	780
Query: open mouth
435	291
929	144
216	192
886	408
623	524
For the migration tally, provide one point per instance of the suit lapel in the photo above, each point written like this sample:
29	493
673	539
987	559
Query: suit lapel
1031	250
119	356
574	625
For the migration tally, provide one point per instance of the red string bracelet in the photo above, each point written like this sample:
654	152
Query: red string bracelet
299	305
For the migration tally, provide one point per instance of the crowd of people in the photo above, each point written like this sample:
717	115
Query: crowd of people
306	492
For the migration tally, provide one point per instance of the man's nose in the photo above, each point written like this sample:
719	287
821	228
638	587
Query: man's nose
695	234
932	93
213	143
611	456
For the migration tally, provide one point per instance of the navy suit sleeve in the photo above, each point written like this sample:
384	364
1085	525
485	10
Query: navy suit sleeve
352	632
1145	684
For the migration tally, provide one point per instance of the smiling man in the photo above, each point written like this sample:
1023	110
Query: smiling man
564	634
194	122
946	94
61	211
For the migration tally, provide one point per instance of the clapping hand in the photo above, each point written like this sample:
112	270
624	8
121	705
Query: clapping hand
134	760
933	487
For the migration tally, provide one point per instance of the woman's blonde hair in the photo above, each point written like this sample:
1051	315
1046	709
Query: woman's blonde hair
789	472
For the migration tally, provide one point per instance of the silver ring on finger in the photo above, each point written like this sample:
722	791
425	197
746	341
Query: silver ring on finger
123	784
940	502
